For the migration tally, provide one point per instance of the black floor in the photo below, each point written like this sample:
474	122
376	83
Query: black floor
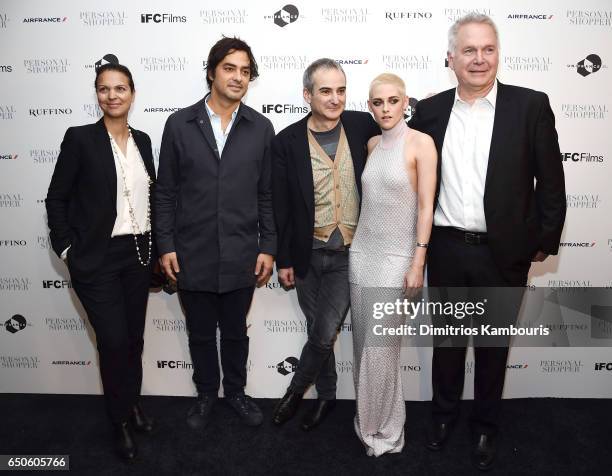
540	436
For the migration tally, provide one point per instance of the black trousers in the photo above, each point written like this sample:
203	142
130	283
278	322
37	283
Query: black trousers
204	311
454	263
323	295
116	303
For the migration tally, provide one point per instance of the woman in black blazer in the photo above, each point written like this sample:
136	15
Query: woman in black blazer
99	213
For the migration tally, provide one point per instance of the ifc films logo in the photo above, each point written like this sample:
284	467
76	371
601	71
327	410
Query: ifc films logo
162	18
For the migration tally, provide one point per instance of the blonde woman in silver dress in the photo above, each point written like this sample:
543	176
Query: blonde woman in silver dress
387	259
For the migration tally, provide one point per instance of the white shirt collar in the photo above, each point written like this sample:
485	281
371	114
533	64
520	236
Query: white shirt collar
212	113
491	96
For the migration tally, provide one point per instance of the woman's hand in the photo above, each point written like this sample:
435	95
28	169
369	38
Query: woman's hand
413	280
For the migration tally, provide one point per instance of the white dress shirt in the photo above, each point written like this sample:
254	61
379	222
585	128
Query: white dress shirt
465	157
215	122
137	181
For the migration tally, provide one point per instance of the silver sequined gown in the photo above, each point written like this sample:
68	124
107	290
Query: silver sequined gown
380	256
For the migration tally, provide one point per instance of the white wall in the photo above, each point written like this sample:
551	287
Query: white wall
538	53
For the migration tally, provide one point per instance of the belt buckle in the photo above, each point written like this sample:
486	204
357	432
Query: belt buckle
472	238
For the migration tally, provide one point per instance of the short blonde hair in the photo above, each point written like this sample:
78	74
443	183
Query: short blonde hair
388	78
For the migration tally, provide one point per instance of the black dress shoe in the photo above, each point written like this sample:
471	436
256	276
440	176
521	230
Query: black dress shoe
483	452
317	414
197	417
438	436
140	421
124	442
286	407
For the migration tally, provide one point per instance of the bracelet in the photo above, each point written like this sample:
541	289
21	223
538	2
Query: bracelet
422	245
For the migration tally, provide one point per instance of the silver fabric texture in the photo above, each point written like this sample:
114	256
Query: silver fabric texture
380	256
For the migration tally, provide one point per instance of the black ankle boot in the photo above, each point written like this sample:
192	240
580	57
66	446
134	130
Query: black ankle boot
318	412
286	407
483	452
140	421
124	441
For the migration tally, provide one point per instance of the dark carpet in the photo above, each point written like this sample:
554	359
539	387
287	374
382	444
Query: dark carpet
540	436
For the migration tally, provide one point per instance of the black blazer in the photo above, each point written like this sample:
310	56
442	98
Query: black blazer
82	197
215	212
293	184
521	218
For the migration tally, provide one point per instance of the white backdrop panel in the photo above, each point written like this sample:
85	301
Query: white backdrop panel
46	79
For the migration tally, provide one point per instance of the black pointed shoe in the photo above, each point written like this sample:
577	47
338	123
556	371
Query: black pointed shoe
199	413
318	412
140	421
483	452
124	442
438	436
286	407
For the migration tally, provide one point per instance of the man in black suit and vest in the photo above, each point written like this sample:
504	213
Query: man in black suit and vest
494	141
317	166
215	224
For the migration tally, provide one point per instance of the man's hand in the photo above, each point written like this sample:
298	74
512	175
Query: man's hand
169	265
263	268
286	277
539	256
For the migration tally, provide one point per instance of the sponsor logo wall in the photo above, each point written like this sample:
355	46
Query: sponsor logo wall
563	48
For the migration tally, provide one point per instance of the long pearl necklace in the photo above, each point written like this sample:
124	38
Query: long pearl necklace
127	193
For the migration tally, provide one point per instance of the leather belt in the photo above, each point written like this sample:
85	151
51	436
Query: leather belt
469	237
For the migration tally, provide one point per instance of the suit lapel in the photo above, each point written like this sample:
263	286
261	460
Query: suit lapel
440	132
303	165
104	151
356	147
501	123
144	152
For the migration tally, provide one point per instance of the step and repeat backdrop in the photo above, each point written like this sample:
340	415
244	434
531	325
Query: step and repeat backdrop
47	63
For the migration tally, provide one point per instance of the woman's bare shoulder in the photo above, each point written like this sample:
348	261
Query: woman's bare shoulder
373	142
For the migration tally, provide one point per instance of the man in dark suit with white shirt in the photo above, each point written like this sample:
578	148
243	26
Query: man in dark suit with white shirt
494	141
